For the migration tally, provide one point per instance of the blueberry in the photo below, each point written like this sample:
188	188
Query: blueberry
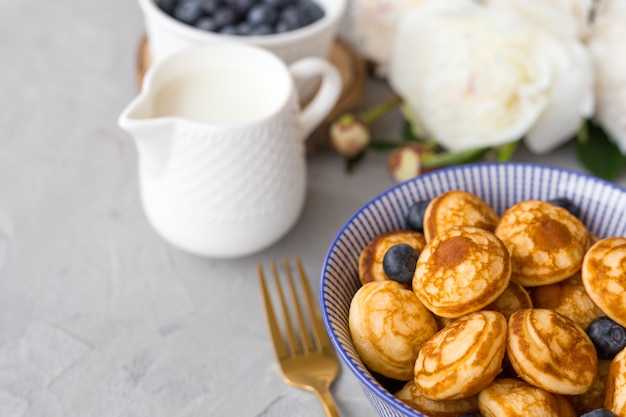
188	11
224	17
260	30
290	18
241	7
229	30
565	203
244	29
280	27
262	14
244	17
277	3
206	23
608	337
310	11
415	215
399	262
211	6
167	6
599	412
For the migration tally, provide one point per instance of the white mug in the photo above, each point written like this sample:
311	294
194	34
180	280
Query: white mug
220	136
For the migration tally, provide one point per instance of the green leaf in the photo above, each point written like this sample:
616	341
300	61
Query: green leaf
505	152
407	133
442	159
384	145
598	153
382	109
352	163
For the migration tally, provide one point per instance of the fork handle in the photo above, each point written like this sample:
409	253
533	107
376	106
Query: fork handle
323	394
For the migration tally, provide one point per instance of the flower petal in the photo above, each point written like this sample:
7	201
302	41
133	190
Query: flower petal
571	99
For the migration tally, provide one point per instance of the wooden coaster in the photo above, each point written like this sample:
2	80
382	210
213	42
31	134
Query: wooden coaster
351	67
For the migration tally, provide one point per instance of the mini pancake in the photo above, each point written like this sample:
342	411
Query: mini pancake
462	358
568	298
547	243
457	208
410	395
371	258
615	395
388	324
507	397
594	397
461	270
515	297
604	277
550	351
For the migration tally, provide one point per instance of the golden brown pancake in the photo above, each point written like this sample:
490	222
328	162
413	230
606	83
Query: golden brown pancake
514	298
615	396
547	243
457	208
568	298
604	277
371	258
550	351
462	358
507	397
594	398
388	324
462	270
410	395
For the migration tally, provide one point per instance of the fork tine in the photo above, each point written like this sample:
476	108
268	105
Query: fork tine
307	342
309	367
279	344
291	337
319	331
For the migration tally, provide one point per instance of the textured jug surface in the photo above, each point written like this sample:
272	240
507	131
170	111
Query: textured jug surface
235	174
220	203
222	167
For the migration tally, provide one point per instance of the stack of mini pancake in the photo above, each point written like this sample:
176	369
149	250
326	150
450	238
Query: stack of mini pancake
494	319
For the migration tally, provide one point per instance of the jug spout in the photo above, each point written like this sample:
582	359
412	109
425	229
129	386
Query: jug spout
152	135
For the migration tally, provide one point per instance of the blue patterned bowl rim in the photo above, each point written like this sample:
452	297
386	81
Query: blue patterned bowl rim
600	203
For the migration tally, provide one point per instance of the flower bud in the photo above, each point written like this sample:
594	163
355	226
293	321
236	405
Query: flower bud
405	163
349	135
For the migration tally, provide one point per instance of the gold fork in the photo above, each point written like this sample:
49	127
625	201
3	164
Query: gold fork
308	361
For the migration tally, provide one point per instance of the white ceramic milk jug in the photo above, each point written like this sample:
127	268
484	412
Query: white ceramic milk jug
220	137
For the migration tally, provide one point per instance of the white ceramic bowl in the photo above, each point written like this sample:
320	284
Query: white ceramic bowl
167	35
601	205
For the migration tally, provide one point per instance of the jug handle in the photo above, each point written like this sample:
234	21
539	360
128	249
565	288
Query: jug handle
326	95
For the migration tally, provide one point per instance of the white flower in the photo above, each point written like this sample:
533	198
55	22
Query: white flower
562	17
372	27
607	44
479	76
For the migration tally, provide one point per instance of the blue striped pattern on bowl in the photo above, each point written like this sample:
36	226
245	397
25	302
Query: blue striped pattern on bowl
602	208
